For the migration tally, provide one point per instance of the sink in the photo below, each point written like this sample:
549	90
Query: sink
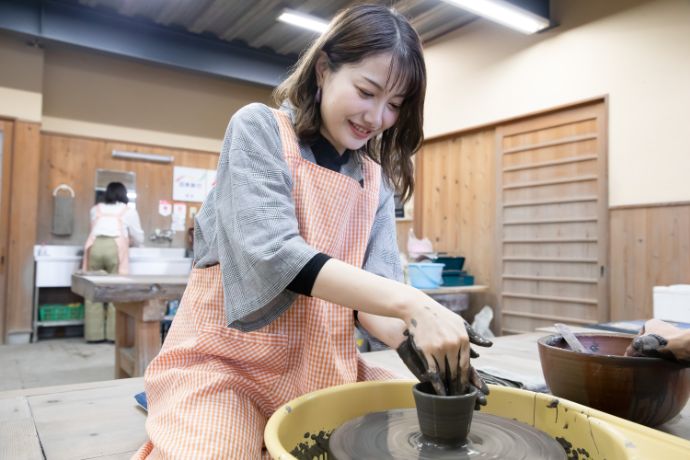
157	253
159	261
56	263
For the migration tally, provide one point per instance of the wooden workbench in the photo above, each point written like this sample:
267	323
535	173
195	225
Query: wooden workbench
101	421
140	302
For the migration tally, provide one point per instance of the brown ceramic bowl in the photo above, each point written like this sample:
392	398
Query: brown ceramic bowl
649	391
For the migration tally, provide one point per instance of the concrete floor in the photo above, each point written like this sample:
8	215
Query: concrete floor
55	362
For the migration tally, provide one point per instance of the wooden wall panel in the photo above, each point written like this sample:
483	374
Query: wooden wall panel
74	160
650	246
7	131
402	228
22	228
455	202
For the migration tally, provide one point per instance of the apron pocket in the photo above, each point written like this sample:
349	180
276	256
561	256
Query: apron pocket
257	356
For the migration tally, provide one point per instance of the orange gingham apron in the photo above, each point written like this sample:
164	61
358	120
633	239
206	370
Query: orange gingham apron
212	388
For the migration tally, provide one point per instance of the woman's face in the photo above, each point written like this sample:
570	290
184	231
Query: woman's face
355	103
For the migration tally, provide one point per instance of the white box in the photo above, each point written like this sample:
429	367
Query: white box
672	303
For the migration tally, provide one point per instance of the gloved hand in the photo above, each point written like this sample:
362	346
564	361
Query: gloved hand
661	340
443	384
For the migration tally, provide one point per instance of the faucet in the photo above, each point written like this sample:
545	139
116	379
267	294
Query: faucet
165	234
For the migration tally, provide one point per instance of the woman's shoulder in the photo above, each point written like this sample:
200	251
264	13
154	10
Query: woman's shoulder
254	113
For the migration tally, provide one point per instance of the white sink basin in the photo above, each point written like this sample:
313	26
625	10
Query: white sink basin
156	253
55	264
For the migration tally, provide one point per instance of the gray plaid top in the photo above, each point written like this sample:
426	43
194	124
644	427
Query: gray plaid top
248	225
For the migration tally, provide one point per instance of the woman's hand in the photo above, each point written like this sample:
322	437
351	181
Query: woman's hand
445	360
440	335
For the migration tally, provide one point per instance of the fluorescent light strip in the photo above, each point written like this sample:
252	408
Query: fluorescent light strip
504	13
305	21
142	156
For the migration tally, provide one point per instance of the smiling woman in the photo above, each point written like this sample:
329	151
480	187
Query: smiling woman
298	232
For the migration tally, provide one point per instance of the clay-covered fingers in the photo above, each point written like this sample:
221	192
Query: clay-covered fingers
478	382
482	389
647	345
475	338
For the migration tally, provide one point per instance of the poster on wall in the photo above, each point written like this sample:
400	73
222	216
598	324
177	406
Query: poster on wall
179	216
164	208
192	184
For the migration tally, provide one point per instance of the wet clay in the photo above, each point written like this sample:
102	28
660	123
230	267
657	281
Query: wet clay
395	434
443	420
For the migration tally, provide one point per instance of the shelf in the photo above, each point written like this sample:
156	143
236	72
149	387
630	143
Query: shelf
70	322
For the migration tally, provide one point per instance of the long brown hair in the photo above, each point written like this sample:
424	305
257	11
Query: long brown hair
353	35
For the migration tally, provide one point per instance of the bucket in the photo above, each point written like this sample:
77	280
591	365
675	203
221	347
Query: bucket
425	275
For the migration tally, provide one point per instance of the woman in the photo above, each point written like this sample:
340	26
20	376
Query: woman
298	232
114	227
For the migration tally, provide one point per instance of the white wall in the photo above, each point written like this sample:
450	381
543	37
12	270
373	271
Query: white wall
636	52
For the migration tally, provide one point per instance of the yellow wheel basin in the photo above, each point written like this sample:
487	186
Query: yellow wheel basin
603	436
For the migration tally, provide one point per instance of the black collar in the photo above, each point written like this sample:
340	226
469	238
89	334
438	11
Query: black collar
327	156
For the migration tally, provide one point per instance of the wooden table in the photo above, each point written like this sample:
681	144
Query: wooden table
101	421
140	302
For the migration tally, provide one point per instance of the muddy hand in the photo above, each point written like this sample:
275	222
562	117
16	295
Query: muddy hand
416	362
462	384
659	339
475	338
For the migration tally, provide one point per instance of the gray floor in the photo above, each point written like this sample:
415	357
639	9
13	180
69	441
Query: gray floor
55	362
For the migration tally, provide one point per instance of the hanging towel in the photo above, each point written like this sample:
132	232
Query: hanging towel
63	211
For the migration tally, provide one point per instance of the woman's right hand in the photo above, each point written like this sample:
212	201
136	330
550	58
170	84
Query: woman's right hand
440	335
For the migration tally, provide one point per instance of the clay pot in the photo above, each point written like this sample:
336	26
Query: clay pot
649	391
444	420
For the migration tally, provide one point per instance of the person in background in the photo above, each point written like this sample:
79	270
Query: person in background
114	227
296	243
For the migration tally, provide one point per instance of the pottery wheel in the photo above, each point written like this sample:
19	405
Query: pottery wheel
395	434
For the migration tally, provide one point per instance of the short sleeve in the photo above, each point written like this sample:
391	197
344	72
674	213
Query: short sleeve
248	222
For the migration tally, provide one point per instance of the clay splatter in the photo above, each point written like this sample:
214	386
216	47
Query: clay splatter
317	448
554	405
573	453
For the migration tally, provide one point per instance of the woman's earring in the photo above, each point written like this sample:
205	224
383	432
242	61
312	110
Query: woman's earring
318	95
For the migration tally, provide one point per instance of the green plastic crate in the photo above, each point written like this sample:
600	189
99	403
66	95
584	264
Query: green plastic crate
61	312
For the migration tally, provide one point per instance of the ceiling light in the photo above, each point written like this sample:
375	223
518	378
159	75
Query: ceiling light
504	13
303	20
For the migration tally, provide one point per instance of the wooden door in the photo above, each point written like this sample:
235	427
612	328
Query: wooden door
552	219
5	167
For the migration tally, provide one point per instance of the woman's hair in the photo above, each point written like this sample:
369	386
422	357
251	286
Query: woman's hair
354	34
116	192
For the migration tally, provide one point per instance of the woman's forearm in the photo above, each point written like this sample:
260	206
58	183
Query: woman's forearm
352	287
387	330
